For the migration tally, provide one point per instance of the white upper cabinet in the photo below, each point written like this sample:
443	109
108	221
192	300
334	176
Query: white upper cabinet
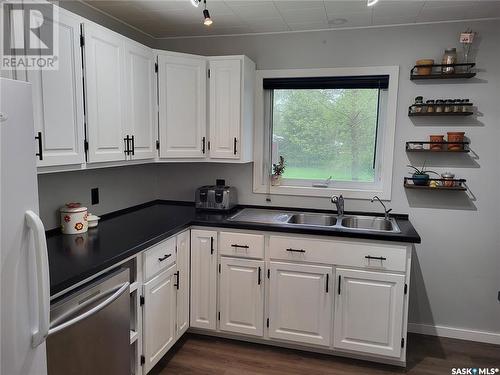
241	293
140	93
300	303
369	312
58	99
104	79
182	105
231	95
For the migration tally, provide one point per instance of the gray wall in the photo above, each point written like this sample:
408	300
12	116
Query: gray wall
119	188
456	273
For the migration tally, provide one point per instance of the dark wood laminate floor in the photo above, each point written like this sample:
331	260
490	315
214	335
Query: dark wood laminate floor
196	354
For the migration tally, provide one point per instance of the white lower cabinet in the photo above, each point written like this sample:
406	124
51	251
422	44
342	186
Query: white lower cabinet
369	312
203	279
300	303
182	282
159	316
241	293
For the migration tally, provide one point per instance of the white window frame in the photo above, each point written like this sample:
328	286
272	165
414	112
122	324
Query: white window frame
385	140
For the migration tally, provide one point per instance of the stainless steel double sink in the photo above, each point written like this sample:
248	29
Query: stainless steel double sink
359	223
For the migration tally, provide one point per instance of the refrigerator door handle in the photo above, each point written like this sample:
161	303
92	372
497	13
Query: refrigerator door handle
42	278
115	292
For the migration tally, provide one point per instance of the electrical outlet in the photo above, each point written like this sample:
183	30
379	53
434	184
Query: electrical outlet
94	195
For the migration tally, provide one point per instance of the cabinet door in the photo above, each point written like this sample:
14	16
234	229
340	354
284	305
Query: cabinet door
300	303
159	316
58	99
203	279
369	312
104	67
241	293
225	108
141	99
183	249
182	111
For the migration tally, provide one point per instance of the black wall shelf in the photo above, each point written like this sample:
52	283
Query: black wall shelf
459	184
409	147
439	75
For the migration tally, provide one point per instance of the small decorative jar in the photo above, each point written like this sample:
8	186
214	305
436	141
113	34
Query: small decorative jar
457	106
456	137
74	218
439	106
449	57
430	106
424	67
436	142
276	180
448	178
448	106
465	106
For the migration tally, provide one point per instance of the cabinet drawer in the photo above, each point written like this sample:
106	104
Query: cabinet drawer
159	257
370	254
241	244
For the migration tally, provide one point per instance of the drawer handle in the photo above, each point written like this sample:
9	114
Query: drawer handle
376	258
164	257
240	246
295	250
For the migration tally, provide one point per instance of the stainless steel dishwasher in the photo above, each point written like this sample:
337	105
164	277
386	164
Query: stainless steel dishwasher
90	329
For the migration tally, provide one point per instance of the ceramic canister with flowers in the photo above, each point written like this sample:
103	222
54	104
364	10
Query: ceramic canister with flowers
74	218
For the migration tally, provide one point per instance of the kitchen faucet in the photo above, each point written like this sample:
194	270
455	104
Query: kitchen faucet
339	202
386	211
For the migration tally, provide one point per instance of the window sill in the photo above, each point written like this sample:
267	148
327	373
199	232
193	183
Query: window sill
322	192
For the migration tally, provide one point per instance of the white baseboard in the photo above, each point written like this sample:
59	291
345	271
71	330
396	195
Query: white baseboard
455	333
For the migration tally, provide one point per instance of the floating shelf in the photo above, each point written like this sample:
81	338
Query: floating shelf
437	114
409	148
409	184
440	75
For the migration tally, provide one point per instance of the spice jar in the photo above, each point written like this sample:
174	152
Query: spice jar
436	142
449	57
466	107
430	106
439	106
457	105
456	137
448	107
448	178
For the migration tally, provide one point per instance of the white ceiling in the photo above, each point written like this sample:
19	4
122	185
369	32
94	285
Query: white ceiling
178	18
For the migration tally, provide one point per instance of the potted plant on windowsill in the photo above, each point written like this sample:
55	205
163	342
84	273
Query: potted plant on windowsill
421	176
278	170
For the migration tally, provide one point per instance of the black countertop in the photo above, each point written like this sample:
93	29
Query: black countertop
73	258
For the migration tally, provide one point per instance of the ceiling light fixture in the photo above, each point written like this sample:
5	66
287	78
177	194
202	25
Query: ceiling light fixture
195	3
206	15
371	2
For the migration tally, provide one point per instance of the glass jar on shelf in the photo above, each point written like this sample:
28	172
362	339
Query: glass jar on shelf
439	106
430	105
457	106
466	107
448	106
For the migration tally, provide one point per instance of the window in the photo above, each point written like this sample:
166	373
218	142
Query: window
335	132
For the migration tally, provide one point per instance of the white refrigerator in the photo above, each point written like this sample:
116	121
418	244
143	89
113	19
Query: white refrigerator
24	281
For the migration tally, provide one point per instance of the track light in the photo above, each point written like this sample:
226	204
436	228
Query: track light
195	3
371	2
206	15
